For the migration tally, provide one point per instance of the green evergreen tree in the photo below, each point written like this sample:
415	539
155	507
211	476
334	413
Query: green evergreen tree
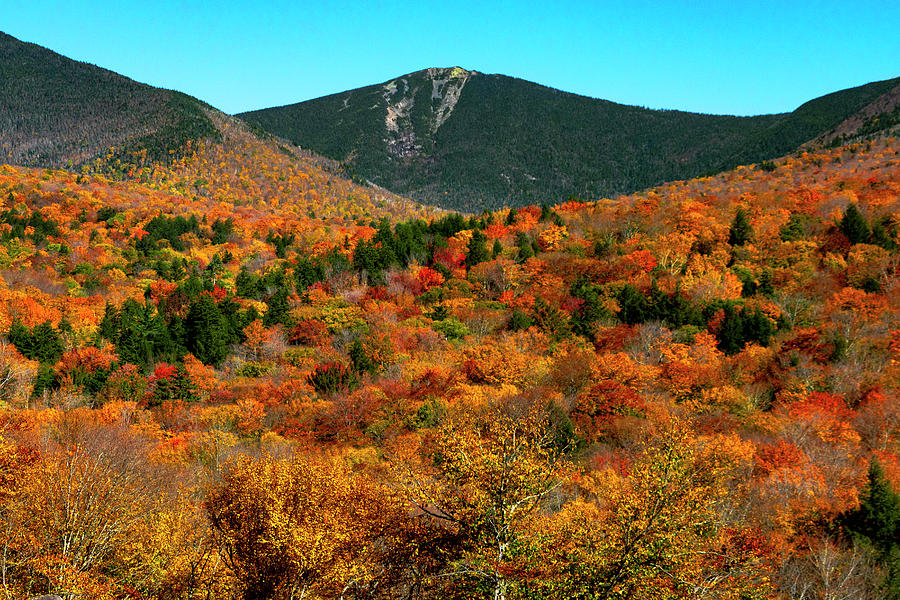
47	346
477	251
306	273
519	321
591	311
876	524
221	230
179	269
44	380
766	288
206	331
43	343
884	234
192	287
546	212
138	331
498	248
756	327
367	260
740	232
794	229
549	319
633	306
20	336
854	226
183	386
278	308
108	324
524	245
246	284
731	331
360	360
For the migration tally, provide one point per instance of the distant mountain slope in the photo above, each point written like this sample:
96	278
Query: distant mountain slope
243	169
470	141
881	114
56	111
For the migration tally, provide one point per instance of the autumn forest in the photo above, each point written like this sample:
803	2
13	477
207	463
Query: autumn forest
232	371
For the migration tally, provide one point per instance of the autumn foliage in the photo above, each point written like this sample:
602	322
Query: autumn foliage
237	375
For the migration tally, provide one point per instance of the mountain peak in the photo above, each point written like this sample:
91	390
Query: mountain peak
449	72
416	105
471	141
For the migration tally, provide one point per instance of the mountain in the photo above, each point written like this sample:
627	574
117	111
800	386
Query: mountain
469	140
56	111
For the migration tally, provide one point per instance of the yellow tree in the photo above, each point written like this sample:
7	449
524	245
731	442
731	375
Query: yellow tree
87	495
654	534
490	475
293	527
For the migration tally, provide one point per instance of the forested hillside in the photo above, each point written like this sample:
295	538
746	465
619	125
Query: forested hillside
471	141
690	391
55	111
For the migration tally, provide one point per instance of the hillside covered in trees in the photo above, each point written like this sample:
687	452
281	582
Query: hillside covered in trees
690	391
471	141
55	111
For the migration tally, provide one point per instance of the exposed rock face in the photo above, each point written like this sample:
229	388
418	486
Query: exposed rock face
447	85
50	597
406	120
401	138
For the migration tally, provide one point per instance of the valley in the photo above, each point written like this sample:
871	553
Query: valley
458	354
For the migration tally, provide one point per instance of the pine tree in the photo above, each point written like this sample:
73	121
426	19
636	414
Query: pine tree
477	251
854	226
246	284
206	331
47	345
634	307
882	236
591	311
756	327
731	331
42	343
876	523
740	232
278	308
550	319
519	321
20	336
360	360
546	212
367	259
525	249
183	386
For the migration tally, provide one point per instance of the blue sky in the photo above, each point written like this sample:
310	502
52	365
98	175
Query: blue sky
714	57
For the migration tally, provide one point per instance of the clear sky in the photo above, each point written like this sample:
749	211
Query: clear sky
729	57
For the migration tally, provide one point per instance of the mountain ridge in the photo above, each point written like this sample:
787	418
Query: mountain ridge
445	136
60	113
498	140
56	111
